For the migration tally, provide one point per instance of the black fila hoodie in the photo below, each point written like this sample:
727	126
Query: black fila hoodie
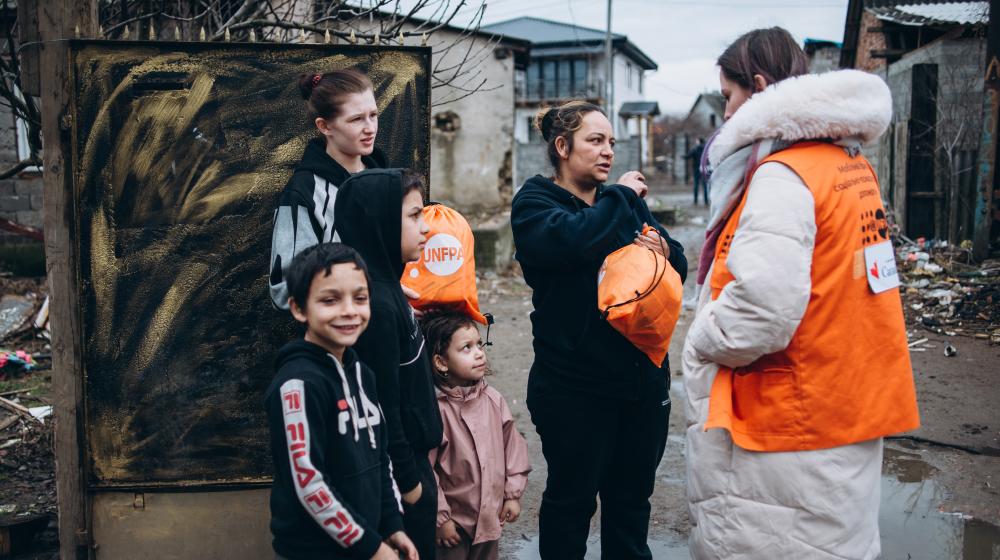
333	495
305	210
369	218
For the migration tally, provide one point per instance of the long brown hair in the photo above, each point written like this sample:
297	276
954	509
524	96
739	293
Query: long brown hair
324	93
562	122
771	53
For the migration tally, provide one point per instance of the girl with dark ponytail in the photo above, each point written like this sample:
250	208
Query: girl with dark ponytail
342	106
600	406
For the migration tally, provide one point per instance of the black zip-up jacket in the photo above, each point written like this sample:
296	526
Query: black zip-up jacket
305	210
369	218
561	243
333	495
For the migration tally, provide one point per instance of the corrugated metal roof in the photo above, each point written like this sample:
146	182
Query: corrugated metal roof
930	13
540	31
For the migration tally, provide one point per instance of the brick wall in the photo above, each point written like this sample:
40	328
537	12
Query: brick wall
869	41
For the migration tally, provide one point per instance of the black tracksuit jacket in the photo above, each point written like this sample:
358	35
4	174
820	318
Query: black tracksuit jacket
333	495
561	243
305	214
369	216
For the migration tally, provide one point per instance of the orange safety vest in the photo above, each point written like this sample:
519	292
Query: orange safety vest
845	377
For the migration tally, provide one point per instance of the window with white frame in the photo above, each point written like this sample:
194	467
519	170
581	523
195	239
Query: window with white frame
23	148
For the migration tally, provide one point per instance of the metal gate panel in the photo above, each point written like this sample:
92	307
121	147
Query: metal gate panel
180	151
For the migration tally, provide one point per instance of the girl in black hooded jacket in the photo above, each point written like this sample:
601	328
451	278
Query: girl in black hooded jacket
600	406
342	105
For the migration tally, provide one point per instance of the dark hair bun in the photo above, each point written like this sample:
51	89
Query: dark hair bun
305	82
543	121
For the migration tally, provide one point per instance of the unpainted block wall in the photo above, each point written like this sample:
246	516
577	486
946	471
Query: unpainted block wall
21	195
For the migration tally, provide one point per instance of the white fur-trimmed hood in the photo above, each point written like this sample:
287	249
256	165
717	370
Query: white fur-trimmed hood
835	105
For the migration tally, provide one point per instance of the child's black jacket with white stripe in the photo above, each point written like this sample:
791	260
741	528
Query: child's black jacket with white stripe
333	494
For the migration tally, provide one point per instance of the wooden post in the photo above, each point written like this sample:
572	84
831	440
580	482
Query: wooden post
650	156
986	178
57	20
27	31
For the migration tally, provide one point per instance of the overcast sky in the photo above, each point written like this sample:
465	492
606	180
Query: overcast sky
684	37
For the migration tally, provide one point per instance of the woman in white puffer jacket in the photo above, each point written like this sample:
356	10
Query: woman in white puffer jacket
796	364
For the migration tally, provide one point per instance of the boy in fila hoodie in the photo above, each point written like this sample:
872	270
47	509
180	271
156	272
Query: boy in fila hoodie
305	210
379	213
333	494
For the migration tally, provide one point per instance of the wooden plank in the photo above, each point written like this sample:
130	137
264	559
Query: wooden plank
18	409
56	22
27	33
986	178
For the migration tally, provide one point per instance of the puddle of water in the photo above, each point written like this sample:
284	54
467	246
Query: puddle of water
661	550
911	525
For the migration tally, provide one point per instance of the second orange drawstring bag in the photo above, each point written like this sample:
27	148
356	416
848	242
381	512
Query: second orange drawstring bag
640	294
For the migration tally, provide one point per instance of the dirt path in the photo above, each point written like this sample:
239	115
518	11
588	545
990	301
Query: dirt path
937	502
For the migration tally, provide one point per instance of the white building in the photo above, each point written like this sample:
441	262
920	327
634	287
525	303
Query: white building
568	62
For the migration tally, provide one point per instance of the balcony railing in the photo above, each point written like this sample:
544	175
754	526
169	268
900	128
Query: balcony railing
559	90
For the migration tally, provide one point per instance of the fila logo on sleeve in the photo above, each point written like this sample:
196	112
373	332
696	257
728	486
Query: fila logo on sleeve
312	491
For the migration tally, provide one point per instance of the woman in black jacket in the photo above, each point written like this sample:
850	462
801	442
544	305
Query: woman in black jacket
600	406
342	105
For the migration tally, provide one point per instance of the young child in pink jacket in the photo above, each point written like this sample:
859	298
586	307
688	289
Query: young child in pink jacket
482	462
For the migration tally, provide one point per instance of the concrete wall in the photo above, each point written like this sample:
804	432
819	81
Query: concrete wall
824	60
532	160
20	195
471	165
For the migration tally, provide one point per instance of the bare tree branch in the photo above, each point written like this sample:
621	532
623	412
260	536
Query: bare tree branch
19	167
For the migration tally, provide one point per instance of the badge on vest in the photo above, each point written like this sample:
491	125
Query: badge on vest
880	266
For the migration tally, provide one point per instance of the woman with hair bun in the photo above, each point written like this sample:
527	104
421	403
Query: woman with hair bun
342	105
600	406
796	364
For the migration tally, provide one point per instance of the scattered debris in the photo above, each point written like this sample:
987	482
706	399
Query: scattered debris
15	310
18	358
944	292
17	409
950	351
41	412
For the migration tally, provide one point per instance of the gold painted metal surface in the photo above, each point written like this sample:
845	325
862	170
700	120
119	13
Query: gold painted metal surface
180	153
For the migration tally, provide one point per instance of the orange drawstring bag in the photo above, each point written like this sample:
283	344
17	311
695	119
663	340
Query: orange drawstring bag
639	293
445	275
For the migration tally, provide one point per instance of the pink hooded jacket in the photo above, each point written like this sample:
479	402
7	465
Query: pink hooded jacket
482	460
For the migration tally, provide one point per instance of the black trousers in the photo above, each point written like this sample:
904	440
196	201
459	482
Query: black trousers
700	182
597	446
420	519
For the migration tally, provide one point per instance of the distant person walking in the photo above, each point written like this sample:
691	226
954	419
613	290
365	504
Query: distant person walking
600	406
694	156
796	364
